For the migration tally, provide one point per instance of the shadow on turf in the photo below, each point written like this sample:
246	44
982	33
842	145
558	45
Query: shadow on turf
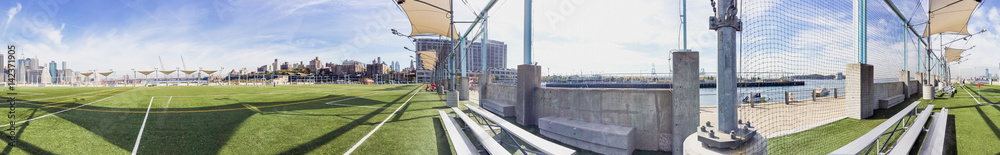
312	144
191	133
27	147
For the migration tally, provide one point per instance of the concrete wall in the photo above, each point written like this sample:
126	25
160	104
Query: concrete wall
501	92
885	90
859	91
915	87
647	110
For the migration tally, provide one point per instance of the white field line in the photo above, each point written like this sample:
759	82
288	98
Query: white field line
380	124
168	103
60	96
348	105
64	110
136	148
970	94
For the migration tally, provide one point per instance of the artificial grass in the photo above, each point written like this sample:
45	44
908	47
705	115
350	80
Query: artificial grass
972	128
229	120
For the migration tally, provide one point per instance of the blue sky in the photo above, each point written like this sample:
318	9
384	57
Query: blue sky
572	36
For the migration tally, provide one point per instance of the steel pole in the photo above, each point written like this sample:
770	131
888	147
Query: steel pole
527	32
726	82
684	24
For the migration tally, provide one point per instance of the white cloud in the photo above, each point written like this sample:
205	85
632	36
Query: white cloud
10	16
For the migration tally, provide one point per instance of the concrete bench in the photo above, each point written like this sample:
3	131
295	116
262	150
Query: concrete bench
542	145
934	140
600	138
461	143
906	141
491	145
888	102
503	109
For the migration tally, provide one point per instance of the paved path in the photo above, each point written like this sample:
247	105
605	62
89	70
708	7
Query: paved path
777	119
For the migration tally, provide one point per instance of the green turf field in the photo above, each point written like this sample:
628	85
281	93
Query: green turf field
972	128
317	119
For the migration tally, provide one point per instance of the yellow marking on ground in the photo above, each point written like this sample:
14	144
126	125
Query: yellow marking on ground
252	108
74	99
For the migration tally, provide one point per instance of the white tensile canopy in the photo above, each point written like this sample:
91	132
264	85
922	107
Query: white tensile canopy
428	58
429	17
953	55
953	16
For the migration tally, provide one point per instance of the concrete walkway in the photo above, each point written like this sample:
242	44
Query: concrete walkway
777	119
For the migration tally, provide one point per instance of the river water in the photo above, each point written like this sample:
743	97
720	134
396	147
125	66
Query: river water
800	92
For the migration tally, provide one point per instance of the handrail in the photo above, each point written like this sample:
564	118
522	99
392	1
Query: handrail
532	139
491	146
905	142
866	140
456	136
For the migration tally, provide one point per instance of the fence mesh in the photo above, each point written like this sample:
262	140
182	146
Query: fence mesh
806	47
813	42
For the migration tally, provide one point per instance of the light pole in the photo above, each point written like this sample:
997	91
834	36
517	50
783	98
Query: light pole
134	75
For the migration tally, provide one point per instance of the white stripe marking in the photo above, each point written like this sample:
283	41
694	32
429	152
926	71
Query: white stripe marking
168	103
380	124
64	110
136	148
970	94
331	102
348	105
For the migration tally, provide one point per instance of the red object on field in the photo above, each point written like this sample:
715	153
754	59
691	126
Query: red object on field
980	85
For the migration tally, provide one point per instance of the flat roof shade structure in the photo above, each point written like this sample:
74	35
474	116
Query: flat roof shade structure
429	17
953	18
428	58
953	55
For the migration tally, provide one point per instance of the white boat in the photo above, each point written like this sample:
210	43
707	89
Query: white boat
820	92
755	97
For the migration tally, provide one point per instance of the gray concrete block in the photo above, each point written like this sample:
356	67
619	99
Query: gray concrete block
499	108
451	99
859	104
528	79
889	102
463	88
685	100
601	138
904	76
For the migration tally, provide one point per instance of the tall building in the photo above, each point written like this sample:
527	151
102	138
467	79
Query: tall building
30	73
276	66
53	73
19	71
496	54
315	64
350	67
69	76
65	74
